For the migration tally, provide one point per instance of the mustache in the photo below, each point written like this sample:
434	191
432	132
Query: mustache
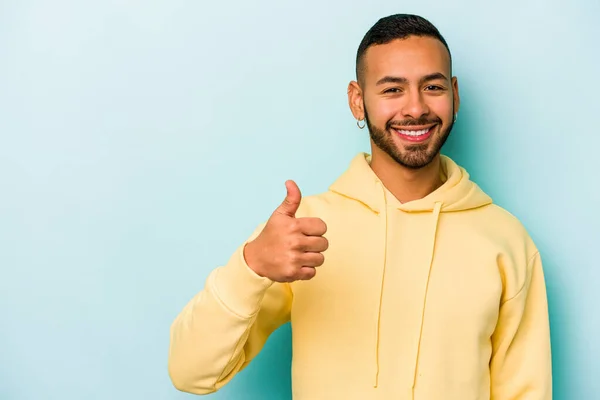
413	122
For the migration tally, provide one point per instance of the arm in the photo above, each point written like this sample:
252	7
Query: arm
225	326
521	359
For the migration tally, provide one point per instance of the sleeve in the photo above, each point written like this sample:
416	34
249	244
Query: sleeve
521	360
225	326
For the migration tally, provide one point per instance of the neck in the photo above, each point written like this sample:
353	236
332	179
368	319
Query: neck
404	183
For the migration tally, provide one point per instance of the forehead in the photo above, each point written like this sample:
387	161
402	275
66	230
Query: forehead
410	58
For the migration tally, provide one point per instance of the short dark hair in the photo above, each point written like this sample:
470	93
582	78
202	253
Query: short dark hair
397	26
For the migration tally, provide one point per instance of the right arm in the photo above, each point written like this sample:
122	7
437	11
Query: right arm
225	326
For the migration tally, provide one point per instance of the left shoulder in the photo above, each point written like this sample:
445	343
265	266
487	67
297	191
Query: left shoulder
510	229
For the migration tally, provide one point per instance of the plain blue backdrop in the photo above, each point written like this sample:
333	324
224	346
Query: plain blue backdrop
142	141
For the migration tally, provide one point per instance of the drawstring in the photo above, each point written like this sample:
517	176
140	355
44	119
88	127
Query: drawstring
384	217
436	216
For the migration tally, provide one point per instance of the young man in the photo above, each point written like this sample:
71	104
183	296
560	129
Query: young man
402	281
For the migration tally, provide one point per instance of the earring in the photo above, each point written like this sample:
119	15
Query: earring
359	125
455	116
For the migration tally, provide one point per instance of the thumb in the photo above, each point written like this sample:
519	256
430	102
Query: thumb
292	200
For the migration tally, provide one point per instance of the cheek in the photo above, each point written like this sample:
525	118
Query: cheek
442	107
383	110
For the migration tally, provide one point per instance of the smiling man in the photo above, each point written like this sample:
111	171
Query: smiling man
402	281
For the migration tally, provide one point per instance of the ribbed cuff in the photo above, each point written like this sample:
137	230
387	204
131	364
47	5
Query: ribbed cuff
239	287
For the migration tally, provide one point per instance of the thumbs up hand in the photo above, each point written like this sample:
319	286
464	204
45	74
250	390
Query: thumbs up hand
288	248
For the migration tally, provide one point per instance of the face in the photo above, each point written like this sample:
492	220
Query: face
408	99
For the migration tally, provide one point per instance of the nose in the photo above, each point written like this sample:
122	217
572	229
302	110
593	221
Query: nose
415	106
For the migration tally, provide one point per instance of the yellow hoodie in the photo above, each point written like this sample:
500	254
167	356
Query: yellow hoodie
441	298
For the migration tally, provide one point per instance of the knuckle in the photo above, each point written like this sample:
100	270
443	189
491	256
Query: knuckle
294	225
289	273
295	243
294	259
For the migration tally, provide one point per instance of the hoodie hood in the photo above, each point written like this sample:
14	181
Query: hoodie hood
458	192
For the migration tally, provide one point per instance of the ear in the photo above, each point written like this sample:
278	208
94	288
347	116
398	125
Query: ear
355	100
456	96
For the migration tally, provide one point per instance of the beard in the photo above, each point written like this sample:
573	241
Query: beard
414	156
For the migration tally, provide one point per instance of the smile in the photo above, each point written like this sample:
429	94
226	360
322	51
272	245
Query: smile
415	134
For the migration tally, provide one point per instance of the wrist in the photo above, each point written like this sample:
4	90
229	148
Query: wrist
249	254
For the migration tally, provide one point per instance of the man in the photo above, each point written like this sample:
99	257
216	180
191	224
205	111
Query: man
402	281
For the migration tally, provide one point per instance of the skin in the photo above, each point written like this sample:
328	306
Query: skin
406	84
288	248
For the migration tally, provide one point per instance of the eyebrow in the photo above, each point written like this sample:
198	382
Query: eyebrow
402	80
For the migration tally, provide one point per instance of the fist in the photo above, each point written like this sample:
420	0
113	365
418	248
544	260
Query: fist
288	248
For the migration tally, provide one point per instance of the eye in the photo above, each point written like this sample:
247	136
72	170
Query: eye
434	88
392	91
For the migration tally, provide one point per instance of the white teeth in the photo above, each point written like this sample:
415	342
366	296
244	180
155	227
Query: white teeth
413	133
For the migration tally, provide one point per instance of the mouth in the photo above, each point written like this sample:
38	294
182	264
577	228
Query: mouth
415	133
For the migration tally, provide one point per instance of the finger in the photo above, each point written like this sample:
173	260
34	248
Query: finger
306	273
312	259
312	226
292	200
315	244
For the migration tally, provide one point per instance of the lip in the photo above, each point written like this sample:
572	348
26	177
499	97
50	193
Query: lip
413	127
415	139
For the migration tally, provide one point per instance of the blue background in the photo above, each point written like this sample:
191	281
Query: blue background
142	141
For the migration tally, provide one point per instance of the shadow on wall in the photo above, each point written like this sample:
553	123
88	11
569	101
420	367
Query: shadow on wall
268	376
472	147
